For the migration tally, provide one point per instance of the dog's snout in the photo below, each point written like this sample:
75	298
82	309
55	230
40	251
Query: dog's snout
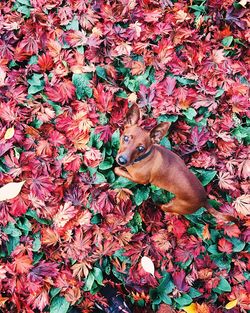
122	160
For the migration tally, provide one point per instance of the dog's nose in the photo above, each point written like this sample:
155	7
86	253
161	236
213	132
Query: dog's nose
122	160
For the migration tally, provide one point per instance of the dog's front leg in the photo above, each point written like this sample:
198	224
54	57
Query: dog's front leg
124	173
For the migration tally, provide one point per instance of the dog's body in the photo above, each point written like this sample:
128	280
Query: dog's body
143	161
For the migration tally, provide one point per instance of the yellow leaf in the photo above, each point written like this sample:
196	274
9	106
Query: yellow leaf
231	304
9	133
190	308
148	265
10	190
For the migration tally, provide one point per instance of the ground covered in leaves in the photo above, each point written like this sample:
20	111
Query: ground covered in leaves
68	72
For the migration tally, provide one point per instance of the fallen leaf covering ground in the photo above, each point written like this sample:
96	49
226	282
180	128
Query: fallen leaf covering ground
68	72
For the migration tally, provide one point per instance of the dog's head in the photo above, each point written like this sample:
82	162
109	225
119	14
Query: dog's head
136	142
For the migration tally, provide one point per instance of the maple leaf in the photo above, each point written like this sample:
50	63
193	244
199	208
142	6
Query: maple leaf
232	231
42	270
104	98
225	246
242	205
161	241
81	269
21	264
41	186
65	213
76	38
45	62
63	91
105	131
199	138
41	300
226	181
104	203
92	157
49	237
179	280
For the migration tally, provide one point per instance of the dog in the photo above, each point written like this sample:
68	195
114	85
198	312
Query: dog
142	160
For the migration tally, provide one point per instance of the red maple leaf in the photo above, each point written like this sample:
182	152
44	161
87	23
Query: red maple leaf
21	264
105	131
179	280
232	231
41	186
225	246
63	91
104	98
199	138
45	62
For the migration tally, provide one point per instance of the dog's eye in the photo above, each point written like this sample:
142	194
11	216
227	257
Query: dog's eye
140	148
125	138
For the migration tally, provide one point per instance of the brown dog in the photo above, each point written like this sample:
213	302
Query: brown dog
144	161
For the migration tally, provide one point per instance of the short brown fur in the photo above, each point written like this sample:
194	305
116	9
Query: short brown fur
160	167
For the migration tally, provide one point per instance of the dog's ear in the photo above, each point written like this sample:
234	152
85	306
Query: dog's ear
159	131
133	115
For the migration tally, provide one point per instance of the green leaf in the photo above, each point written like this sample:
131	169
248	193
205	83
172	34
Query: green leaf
98	275
131	84
141	194
199	8
136	223
12	243
219	93
106	164
101	72
238	245
205	176
24	2
227	41
123	182
242	134
36	245
184	81
166	143
33	214
89	282
10	229
59	305
33	60
74	24
190	113
194	293
167	118
99	178
224	285
82	84
115	139
183	300
96	219
24	10
121	94
25	225
34	89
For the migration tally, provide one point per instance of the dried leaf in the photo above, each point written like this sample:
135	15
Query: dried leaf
148	265
9	133
10	190
190	308
231	304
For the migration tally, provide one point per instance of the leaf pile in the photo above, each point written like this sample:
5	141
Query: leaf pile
68	72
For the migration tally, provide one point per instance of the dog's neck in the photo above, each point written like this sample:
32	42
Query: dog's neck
143	156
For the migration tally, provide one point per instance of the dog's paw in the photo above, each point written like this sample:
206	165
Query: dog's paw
117	171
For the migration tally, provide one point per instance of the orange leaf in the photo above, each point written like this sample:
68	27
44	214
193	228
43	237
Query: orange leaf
22	264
